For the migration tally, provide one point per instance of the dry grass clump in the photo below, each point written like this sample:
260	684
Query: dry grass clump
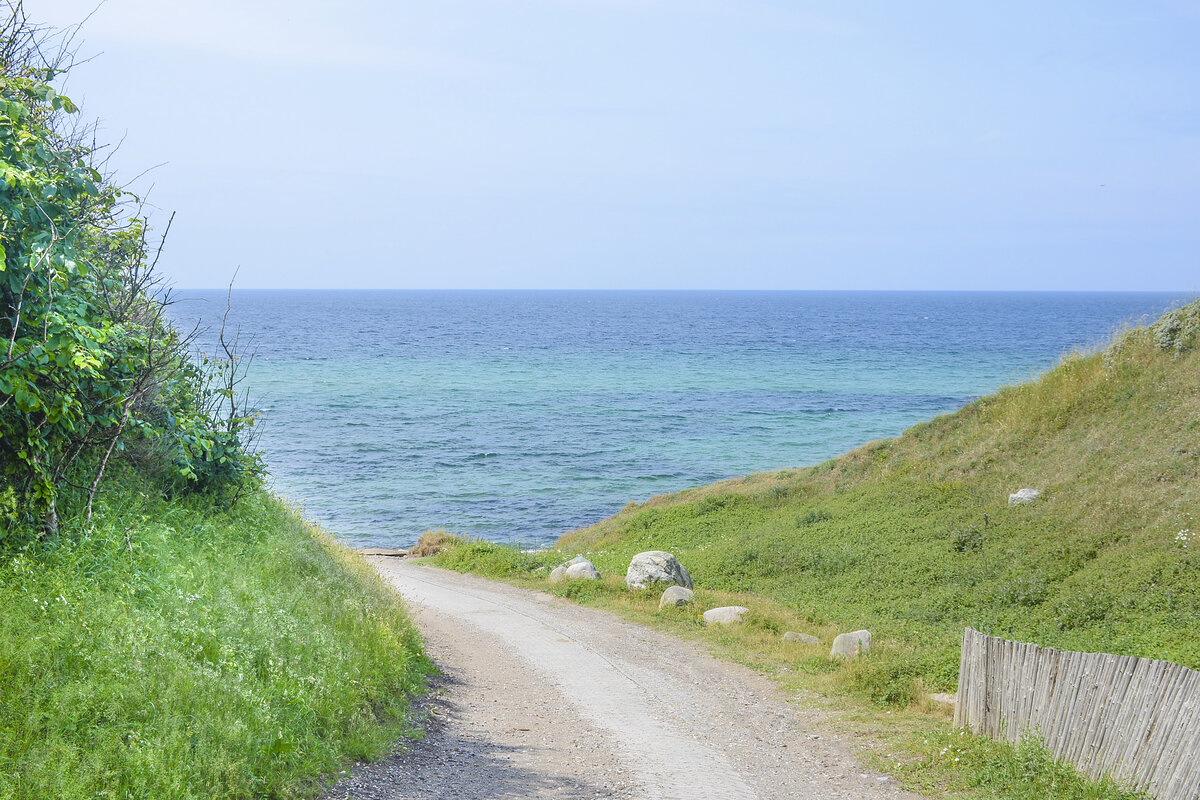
431	542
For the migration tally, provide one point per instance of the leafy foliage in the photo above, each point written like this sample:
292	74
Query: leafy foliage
89	364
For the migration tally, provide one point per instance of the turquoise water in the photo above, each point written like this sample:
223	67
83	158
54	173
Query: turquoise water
516	416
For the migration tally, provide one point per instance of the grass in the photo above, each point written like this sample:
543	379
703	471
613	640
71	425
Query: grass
913	538
176	651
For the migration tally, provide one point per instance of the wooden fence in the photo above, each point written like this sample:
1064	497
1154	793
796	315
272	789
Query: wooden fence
1135	719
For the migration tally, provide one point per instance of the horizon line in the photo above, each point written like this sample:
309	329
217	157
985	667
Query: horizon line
692	290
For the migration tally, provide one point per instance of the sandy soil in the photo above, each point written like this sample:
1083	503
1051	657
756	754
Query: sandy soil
541	698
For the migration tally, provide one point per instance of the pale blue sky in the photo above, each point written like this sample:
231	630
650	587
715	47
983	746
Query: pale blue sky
658	143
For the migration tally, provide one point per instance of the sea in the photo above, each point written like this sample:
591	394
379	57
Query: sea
516	416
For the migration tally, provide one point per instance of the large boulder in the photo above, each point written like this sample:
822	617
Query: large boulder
1023	496
725	615
675	596
849	645
800	638
653	567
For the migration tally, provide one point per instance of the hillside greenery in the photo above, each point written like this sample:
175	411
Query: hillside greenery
177	650
90	367
914	538
169	629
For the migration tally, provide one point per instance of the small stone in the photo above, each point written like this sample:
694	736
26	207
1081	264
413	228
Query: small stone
800	638
1023	496
725	615
675	596
573	570
582	570
943	698
849	645
656	566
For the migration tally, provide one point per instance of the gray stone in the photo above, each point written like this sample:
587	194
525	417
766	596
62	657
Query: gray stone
725	615
675	596
848	645
563	571
800	638
653	567
1023	496
944	699
582	570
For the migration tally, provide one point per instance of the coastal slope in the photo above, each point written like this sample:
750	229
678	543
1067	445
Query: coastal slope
915	537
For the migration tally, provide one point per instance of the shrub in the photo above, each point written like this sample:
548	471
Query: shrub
1028	591
812	517
1081	611
1177	330
967	540
432	542
92	370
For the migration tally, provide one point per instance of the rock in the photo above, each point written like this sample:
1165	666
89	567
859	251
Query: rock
800	638
725	615
848	645
1023	496
568	570
655	566
675	596
582	570
943	698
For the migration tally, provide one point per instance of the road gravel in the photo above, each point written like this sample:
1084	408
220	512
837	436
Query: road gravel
542	698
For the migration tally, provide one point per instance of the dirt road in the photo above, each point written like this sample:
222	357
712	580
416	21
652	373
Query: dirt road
545	699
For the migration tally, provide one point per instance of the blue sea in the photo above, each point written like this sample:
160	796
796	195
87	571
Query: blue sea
516	416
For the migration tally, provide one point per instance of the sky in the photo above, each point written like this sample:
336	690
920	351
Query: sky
655	144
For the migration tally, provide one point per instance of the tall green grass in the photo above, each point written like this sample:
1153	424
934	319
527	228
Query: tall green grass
174	651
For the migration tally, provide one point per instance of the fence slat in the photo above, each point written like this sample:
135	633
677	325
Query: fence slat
1179	754
963	695
1136	719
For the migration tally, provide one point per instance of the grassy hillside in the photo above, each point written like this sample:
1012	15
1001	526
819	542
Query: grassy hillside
178	651
210	645
914	538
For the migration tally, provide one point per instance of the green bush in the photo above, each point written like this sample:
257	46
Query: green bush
91	369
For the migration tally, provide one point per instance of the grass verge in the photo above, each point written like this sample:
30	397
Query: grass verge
174	651
910	738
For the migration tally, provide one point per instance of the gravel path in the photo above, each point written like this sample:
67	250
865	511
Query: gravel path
542	698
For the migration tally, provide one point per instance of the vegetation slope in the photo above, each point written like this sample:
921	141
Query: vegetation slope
914	538
177	649
168	629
